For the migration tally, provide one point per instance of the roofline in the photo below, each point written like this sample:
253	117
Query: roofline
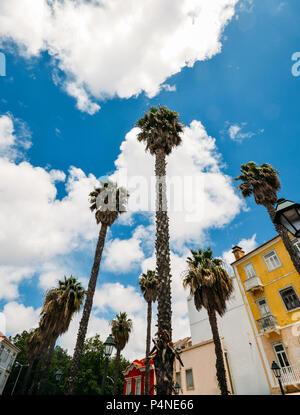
253	250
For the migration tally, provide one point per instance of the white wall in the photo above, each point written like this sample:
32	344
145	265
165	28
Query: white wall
248	376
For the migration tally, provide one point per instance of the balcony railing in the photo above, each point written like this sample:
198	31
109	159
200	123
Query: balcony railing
289	375
268	323
253	283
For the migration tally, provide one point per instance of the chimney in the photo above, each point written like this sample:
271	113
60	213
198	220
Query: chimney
238	252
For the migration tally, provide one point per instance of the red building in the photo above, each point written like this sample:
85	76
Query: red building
134	378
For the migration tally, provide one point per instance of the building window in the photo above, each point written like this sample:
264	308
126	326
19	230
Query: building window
296	243
263	306
138	386
250	271
128	386
290	298
178	378
189	379
281	355
272	261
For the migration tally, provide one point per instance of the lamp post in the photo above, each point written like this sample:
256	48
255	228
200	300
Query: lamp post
108	348
177	388
288	215
21	367
58	376
277	373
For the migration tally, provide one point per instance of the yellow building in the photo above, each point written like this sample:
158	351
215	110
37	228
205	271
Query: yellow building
270	287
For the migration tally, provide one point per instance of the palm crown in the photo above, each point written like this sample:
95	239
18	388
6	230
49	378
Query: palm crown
262	182
209	282
148	283
121	329
160	129
108	201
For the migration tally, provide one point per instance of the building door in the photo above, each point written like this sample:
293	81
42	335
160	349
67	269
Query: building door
281	355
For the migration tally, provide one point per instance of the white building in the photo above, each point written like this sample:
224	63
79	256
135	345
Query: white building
8	354
246	370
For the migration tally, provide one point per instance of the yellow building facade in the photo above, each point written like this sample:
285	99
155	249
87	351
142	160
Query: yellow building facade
270	287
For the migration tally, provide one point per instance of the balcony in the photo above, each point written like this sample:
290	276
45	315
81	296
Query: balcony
253	284
268	324
289	376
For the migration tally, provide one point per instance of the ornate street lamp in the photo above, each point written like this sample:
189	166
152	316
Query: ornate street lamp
277	373
177	388
288	215
109	344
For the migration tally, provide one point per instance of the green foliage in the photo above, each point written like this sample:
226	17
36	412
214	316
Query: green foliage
90	373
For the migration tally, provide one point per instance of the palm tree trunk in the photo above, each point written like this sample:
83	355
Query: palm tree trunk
116	374
27	375
285	238
87	310
47	366
148	344
164	384
220	366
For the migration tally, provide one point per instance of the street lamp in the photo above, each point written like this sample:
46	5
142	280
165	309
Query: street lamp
58	375
21	367
288	215
177	388
109	344
277	373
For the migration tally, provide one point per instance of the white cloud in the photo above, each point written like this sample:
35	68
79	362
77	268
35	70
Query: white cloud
13	142
19	318
108	48
122	256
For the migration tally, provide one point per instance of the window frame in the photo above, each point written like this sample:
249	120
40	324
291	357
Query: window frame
266	261
295	291
284	350
176	378
186	379
128	383
245	266
138	380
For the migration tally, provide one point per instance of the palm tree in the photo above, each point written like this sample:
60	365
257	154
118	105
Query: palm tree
121	328
109	202
58	310
148	284
263	182
160	130
211	287
33	347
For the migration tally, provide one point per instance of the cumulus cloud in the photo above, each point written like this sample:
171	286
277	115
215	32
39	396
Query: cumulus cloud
19	317
123	256
113	48
15	137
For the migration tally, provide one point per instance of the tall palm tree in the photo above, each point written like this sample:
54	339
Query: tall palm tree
148	284
108	202
263	183
121	328
160	130
60	305
211	287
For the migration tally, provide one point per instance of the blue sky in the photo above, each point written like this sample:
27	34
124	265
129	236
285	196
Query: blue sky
243	94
